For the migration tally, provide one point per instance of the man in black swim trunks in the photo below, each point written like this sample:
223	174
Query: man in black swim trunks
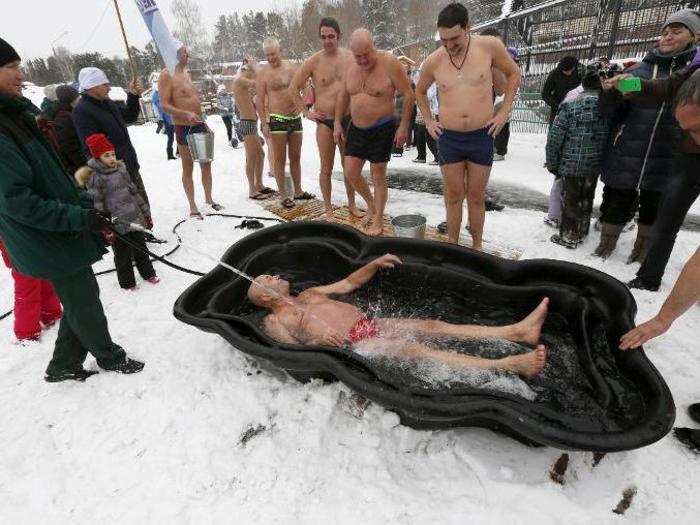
326	68
369	87
462	69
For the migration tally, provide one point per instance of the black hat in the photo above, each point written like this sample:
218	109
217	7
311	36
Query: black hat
66	94
7	53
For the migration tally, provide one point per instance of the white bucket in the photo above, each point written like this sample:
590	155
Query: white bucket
411	226
201	146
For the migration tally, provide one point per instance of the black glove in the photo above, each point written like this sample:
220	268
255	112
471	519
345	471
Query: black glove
98	220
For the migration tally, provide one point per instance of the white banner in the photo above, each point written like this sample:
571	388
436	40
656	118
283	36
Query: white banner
159	31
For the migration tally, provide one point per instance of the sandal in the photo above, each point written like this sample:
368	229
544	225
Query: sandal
288	203
267	191
215	206
196	215
304	196
259	197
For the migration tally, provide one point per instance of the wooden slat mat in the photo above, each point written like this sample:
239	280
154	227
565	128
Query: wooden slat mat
313	210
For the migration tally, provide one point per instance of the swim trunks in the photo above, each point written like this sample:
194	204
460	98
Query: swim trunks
285	124
473	146
374	143
364	328
181	132
330	123
248	127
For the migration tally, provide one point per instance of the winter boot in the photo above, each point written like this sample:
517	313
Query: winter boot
75	375
563	241
128	366
694	412
638	284
609	234
641	244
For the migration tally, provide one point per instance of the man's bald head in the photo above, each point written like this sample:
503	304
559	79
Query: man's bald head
362	47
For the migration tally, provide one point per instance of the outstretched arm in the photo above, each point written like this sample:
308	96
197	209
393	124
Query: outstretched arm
685	294
426	79
399	78
503	62
360	277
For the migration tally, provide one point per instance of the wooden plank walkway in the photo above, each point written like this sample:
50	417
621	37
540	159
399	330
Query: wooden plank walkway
313	210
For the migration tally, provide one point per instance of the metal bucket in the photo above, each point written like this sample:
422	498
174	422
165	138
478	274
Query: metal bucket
201	146
411	226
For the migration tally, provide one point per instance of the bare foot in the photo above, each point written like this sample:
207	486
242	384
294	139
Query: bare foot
529	329
356	212
329	215
364	224
375	228
527	365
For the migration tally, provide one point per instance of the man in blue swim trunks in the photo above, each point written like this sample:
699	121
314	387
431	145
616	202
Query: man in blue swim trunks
369	87
462	69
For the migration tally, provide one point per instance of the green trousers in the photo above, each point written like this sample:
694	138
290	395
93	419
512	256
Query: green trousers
83	326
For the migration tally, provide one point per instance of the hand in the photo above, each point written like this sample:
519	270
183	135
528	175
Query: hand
332	338
98	220
496	124
149	223
314	115
135	86
611	83
191	118
401	137
645	331
435	129
338	133
387	261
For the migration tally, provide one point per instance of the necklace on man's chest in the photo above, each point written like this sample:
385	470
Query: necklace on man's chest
464	59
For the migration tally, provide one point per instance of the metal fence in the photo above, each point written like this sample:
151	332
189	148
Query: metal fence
544	32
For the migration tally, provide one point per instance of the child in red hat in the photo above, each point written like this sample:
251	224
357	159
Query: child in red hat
107	180
36	303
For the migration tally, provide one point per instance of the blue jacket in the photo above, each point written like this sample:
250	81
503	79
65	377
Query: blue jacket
106	116
637	142
155	100
225	103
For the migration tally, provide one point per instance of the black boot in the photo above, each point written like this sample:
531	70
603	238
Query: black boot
609	234
128	366
689	437
638	284
76	375
641	244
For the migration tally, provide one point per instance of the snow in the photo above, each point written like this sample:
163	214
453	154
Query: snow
164	445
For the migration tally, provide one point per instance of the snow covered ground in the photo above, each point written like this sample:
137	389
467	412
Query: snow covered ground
165	445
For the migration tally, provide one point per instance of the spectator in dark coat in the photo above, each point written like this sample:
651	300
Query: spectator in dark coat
563	79
48	228
96	113
70	148
637	168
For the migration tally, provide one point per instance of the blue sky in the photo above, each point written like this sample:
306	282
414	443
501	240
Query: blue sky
91	25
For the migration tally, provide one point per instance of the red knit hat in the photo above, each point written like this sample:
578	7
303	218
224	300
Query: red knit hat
98	144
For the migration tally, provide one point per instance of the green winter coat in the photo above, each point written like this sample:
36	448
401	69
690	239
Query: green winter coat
43	215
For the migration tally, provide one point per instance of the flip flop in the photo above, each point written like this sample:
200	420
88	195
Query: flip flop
259	197
267	190
304	196
196	215
288	203
216	207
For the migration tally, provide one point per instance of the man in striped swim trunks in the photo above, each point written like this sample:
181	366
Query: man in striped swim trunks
280	122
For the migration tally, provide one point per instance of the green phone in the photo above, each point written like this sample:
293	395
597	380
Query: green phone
629	85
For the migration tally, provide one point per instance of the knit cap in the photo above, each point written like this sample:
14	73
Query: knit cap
98	144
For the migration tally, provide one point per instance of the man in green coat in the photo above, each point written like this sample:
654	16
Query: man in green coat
50	230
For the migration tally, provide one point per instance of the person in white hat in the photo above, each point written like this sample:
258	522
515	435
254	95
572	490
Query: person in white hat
97	113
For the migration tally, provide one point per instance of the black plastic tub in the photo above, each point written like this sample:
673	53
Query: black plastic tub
591	396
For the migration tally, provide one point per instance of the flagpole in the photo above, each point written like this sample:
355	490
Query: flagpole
126	42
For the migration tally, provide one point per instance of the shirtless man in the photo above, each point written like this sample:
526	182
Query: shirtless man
369	87
462	69
279	119
180	99
243	93
326	69
313	318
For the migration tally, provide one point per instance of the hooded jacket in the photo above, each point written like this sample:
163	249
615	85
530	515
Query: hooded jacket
70	148
43	215
638	153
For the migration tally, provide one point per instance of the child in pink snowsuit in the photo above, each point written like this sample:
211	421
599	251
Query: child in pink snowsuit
36	303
